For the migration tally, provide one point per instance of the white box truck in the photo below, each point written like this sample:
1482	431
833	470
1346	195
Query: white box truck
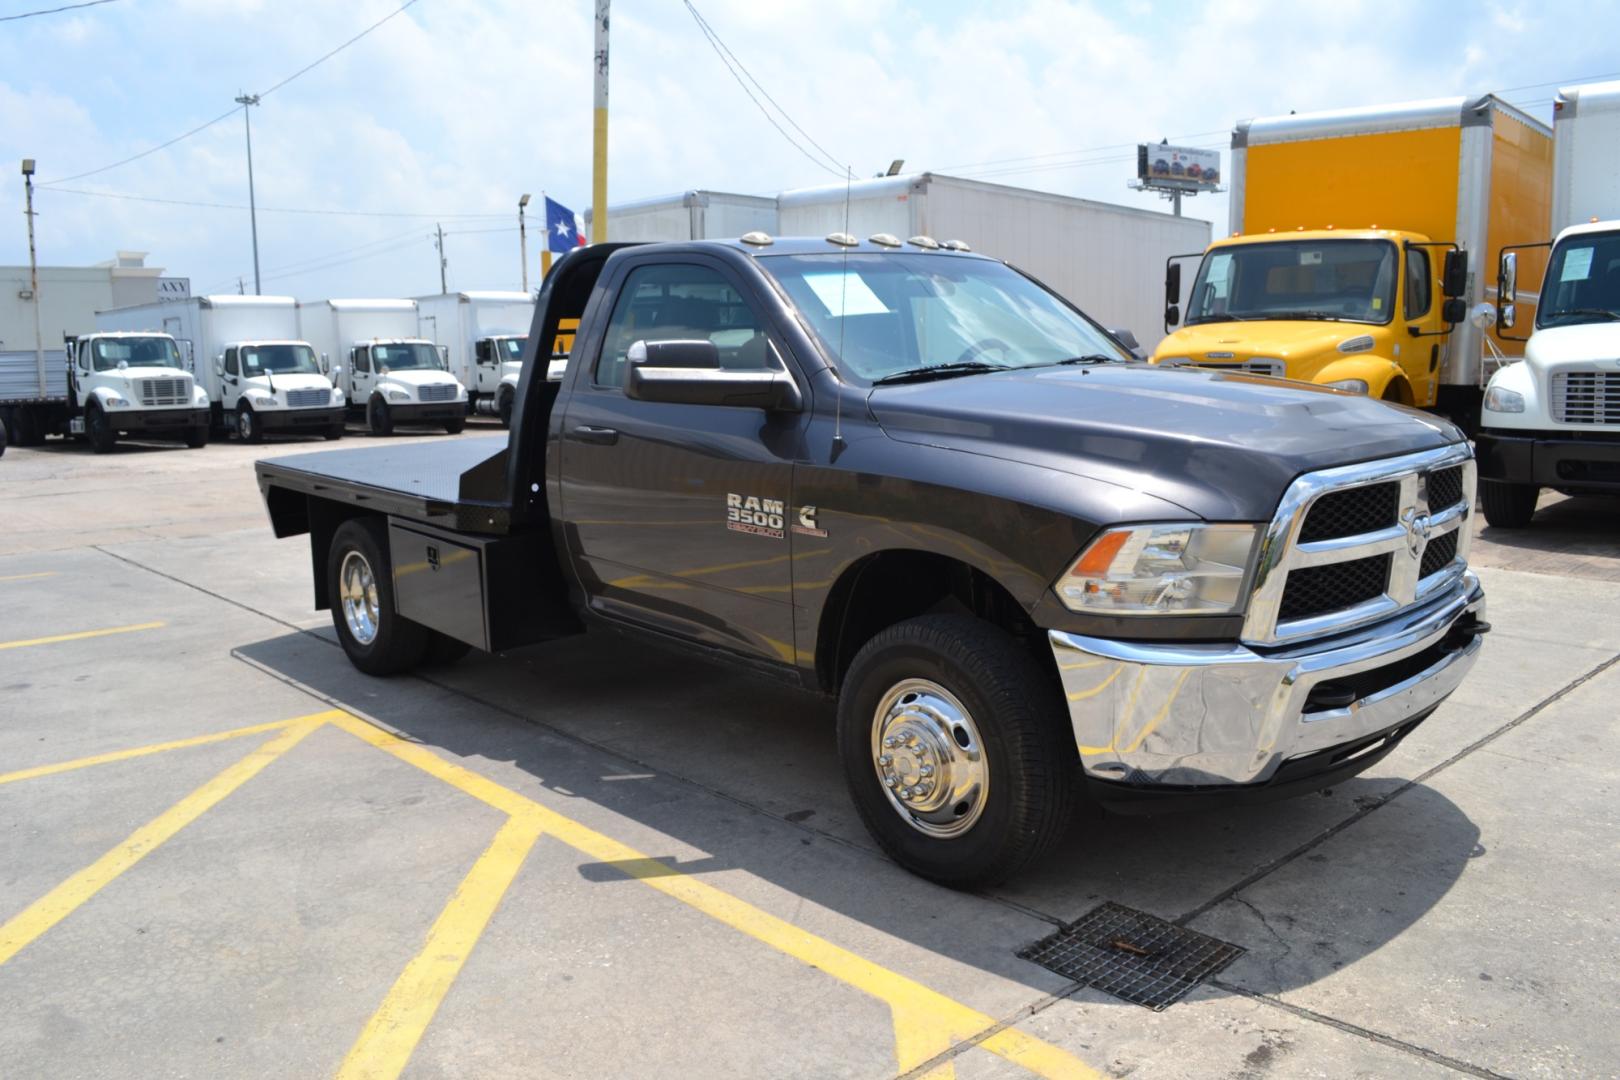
387	370
481	335
691	215
101	386
261	378
1553	420
1106	259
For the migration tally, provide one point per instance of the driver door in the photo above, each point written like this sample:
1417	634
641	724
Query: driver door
361	378
230	383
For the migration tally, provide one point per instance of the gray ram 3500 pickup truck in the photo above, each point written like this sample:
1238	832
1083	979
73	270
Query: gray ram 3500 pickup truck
1031	571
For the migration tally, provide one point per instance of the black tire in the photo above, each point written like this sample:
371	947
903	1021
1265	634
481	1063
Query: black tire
197	437
397	644
1022	724
333	433
99	430
2	433
455	427
247	425
504	407
1508	506
378	417
444	650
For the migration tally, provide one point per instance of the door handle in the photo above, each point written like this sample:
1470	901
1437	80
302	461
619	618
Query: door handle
601	436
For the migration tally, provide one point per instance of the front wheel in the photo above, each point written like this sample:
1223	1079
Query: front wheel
1508	506
957	750
504	407
455	427
247	425
197	437
333	433
360	586
99	430
378	418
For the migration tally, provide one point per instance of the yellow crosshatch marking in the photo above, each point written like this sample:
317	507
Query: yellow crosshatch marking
54	638
926	1023
28	577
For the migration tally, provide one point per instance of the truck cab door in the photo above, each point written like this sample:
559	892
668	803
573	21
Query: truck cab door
230	380
486	374
361	378
1420	308
676	514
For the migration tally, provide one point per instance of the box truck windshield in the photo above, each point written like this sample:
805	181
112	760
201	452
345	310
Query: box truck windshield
108	353
1341	280
280	360
901	313
412	355
511	348
1583	282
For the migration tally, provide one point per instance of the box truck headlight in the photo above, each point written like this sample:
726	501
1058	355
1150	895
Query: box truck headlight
398	395
1179	568
115	401
260	401
1498	399
337	396
1355	386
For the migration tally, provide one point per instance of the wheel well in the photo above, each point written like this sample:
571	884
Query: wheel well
891	586
1399	391
323	518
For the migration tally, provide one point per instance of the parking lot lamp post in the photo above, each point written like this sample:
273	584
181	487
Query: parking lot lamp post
246	100
523	240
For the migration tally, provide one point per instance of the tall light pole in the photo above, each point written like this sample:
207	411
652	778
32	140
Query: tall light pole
33	273
246	100
523	240
599	130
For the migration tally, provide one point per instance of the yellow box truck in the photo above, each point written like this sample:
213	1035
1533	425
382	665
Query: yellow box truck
1360	248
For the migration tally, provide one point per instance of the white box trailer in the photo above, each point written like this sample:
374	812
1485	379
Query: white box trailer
377	355
246	352
482	335
691	215
1586	155
1108	260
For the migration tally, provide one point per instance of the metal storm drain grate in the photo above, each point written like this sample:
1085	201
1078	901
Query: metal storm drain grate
1132	955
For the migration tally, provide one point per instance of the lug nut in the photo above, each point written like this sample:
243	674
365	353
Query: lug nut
891	742
885	759
890	781
928	770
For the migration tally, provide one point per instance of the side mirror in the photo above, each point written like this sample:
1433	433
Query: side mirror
1128	339
689	373
1454	310
1172	285
219	366
1507	290
1454	279
1172	315
337	373
326	362
444	357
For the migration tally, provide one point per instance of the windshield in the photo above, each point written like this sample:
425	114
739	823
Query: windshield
1583	281
1345	280
412	354
510	348
108	353
880	315
279	360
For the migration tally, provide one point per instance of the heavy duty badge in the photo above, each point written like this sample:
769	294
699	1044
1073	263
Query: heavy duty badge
749	514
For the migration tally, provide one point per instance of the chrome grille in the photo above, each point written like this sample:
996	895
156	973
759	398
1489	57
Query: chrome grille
1586	397
305	399
1352	545
166	391
439	392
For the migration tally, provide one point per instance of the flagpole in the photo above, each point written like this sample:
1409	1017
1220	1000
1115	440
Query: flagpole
599	134
545	252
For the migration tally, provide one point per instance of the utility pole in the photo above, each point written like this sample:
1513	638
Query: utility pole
240	287
245	100
523	240
33	273
443	262
599	211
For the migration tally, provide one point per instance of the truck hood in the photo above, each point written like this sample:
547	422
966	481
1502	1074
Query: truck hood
1278	339
1223	446
142	373
418	377
1598	343
299	381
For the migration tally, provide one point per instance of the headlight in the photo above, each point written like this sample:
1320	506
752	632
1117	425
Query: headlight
1355	386
262	402
1174	361
1161	569
115	401
398	395
1498	399
337	396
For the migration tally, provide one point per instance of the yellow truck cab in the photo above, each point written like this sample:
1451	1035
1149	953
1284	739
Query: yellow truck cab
1360	247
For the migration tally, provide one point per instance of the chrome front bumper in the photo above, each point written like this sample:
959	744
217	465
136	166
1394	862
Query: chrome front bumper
1148	713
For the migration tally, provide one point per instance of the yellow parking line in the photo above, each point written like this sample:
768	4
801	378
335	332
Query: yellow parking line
29	577
54	638
926	1021
155	748
63	900
390	1037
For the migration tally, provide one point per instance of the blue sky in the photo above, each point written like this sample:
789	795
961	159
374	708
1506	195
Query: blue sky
456	107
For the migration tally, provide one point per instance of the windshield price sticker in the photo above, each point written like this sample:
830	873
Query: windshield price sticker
1577	264
845	294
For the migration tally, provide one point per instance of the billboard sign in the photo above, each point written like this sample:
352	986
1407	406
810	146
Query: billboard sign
1178	168
174	288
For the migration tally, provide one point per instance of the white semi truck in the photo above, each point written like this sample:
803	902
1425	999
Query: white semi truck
387	370
261	378
481	335
1553	420
101	386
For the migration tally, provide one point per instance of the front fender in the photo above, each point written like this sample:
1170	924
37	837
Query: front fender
1376	371
100	394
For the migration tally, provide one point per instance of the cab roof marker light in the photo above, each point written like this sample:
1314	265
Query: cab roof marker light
955	245
883	239
842	239
927	242
757	238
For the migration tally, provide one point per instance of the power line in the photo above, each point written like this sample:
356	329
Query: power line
722	52
1561	82
332	264
1083	150
54	10
276	209
232	112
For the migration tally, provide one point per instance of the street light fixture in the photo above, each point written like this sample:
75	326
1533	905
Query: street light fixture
523	240
245	100
33	272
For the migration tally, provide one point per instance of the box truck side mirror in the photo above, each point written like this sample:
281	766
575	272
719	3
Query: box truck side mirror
219	365
1172	285
326	363
444	357
1507	290
1454	280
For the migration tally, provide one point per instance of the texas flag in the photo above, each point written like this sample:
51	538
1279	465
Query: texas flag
562	231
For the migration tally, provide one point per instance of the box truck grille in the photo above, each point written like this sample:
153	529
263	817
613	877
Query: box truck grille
439	393
1352	512
308	399
1275	368
1586	397
166	391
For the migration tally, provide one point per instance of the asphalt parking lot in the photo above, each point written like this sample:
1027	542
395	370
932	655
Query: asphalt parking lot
224	852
